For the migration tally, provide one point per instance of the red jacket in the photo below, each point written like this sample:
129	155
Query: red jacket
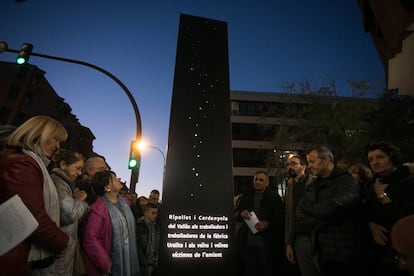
20	174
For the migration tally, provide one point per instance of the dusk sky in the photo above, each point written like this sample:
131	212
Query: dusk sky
270	43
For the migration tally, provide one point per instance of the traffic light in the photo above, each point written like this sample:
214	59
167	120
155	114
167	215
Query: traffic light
134	156
132	163
24	53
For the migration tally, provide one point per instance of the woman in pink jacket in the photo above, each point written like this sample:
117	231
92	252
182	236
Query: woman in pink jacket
109	235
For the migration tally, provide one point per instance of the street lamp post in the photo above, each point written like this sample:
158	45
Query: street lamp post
163	155
142	145
164	162
134	172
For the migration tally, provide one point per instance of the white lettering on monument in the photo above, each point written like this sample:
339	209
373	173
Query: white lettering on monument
189	233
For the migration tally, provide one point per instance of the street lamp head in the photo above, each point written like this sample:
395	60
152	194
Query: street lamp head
141	145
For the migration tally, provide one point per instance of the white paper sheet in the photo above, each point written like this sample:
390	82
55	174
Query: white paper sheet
16	223
251	222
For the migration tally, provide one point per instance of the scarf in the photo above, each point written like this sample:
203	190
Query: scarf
51	202
124	251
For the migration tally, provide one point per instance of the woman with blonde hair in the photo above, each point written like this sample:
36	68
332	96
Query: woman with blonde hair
23	172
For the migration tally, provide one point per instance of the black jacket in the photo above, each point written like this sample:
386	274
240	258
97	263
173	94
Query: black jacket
271	210
333	208
400	191
147	253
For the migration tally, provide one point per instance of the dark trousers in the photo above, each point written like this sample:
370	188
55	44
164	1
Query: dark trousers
260	261
306	259
329	268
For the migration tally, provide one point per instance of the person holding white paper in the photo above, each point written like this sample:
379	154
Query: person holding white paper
262	248
23	171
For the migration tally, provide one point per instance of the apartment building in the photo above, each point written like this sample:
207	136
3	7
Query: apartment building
25	92
254	118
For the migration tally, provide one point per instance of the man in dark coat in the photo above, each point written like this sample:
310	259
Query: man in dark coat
262	251
332	207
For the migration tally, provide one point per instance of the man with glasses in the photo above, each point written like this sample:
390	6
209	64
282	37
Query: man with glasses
298	245
84	182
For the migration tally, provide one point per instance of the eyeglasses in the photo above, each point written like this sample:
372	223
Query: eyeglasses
291	164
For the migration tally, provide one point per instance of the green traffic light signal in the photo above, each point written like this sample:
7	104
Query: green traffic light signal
24	53
134	156
132	164
20	60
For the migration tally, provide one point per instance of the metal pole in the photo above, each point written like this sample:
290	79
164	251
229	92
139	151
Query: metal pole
164	163
162	153
135	172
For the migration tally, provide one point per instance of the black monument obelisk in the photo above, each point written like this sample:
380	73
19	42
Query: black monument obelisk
197	195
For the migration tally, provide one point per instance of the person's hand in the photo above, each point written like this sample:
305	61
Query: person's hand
261	225
378	233
380	187
79	194
289	254
245	214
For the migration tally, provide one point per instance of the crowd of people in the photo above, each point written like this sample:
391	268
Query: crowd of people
357	220
89	222
337	221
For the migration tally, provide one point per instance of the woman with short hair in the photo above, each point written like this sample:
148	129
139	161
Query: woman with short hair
390	199
23	172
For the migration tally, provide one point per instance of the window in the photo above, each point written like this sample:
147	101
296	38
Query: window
252	132
250	158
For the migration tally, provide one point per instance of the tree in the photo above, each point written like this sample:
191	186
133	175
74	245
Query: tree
322	117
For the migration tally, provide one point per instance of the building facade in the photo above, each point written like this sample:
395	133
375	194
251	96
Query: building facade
255	117
25	92
391	26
